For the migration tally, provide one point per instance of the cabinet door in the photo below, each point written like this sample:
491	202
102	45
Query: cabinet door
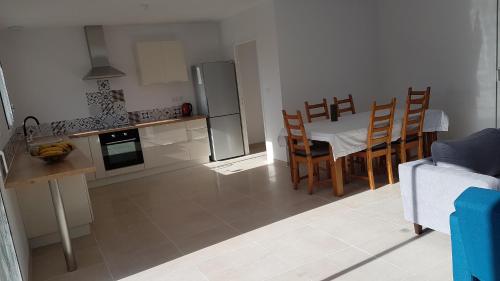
164	144
95	149
83	145
161	62
199	144
37	210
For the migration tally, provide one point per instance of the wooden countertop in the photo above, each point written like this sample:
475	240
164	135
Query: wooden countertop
28	170
137	125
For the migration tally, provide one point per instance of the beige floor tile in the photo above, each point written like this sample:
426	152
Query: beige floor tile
123	264
357	231
48	262
252	262
440	272
194	241
303	244
160	274
246	214
97	272
130	238
348	264
412	253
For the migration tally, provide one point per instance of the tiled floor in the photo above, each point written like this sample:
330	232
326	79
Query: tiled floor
243	221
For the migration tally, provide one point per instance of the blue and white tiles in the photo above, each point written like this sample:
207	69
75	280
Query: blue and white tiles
107	109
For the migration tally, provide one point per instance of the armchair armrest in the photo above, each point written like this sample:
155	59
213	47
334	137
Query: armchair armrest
428	191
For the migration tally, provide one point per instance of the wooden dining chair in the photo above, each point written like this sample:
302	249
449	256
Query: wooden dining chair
310	107
412	128
302	151
345	105
379	140
429	137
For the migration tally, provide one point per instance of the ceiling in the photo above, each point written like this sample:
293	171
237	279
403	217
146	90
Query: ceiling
30	13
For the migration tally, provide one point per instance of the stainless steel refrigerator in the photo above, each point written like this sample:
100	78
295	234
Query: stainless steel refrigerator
217	98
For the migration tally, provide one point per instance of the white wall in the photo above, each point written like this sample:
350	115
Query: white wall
259	24
448	45
327	48
45	66
238	29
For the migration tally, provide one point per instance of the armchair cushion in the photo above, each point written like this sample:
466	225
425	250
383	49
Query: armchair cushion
479	152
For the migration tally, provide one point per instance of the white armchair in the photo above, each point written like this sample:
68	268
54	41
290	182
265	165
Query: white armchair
429	191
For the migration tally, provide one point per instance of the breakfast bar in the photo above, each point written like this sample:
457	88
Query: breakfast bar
27	170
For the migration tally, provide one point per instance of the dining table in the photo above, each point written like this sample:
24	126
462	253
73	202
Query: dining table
348	135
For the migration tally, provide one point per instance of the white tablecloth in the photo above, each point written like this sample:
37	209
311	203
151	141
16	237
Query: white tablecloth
348	134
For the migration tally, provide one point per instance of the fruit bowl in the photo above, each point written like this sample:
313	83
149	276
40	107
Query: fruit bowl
52	153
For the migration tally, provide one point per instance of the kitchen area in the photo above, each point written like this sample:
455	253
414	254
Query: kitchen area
171	104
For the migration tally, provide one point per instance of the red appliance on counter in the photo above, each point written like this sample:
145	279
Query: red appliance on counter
186	109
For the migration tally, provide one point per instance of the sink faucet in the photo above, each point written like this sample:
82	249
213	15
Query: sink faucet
26	137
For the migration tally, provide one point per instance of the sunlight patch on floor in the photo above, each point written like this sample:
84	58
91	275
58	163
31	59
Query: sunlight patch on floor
240	164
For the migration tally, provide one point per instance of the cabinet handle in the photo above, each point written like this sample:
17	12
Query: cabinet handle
121	141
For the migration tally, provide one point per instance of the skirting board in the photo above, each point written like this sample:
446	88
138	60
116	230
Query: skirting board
52	238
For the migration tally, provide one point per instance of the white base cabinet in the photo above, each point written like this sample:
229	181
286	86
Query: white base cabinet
35	203
173	143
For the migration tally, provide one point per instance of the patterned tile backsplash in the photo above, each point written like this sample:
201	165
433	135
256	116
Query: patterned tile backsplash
107	109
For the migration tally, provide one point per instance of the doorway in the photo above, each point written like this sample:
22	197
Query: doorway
250	100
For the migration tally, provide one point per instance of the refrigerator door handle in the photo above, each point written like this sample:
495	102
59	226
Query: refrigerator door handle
199	79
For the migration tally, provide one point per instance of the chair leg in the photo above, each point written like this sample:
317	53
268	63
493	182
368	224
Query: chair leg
420	152
402	153
331	164
418	228
296	176
310	176
290	159
328	169
369	167
388	162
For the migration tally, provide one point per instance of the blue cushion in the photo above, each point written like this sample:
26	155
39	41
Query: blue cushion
479	152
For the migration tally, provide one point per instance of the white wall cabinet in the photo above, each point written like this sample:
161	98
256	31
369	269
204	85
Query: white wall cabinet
161	62
173	143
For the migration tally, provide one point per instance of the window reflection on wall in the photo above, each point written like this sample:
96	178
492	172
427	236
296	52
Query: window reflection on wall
4	95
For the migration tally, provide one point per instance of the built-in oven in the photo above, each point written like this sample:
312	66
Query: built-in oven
121	149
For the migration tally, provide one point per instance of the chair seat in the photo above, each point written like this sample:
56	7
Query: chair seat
318	149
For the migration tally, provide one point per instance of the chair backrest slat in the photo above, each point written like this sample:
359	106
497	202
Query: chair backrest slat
417	102
381	124
345	105
324	113
296	133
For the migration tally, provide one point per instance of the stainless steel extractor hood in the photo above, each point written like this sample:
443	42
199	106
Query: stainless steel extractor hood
98	52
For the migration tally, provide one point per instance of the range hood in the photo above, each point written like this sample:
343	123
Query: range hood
101	69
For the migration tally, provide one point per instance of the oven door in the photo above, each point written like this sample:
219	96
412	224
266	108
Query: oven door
120	152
